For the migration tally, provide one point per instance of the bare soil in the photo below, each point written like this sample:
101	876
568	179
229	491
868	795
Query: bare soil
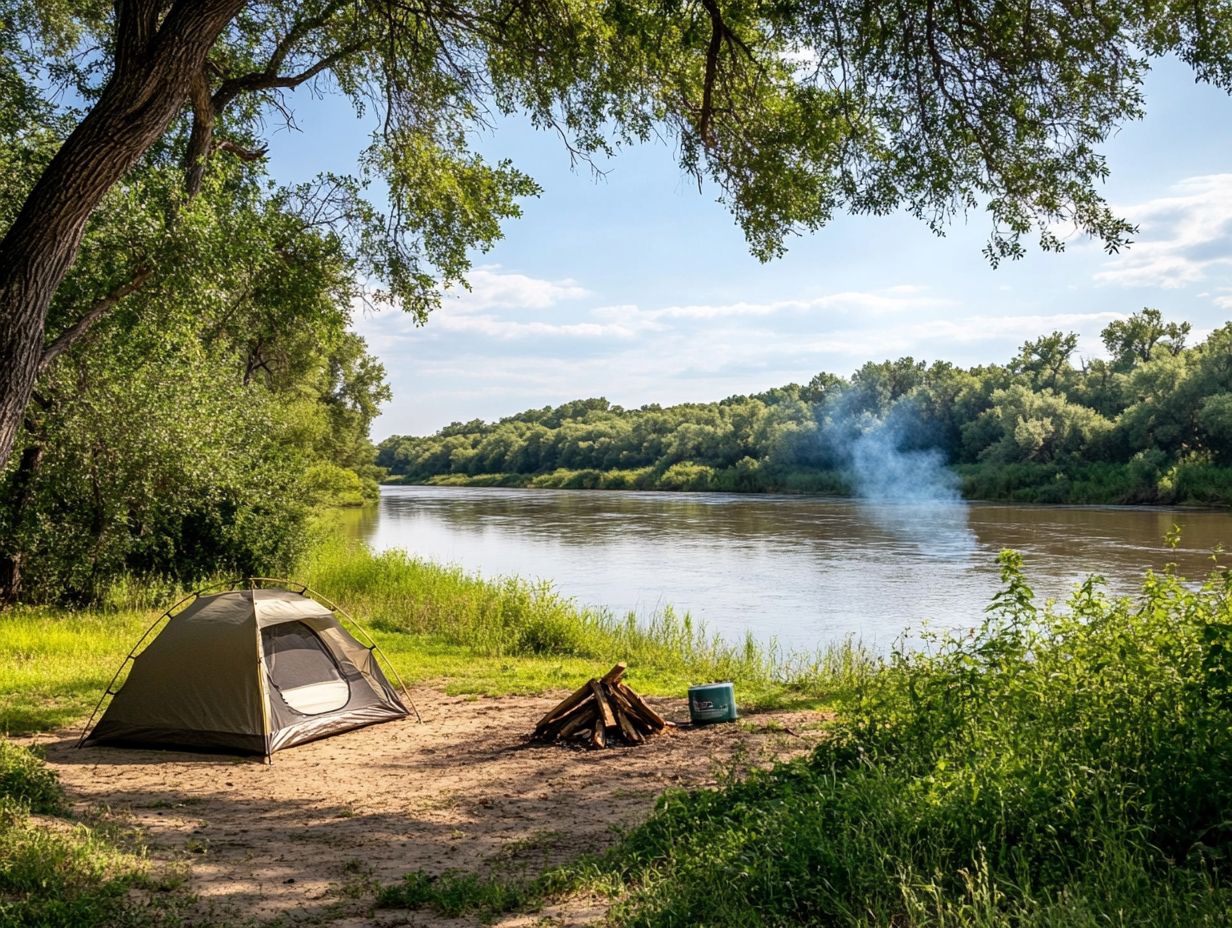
307	839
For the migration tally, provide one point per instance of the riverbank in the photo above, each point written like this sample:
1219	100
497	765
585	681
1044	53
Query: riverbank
119	857
1057	766
1137	483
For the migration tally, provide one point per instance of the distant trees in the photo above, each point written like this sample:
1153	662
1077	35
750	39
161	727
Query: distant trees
1137	339
1157	403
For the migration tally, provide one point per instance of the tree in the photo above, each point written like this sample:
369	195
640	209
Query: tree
1136	340
792	110
1046	359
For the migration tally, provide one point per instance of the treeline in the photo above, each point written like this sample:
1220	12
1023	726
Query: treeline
1152	424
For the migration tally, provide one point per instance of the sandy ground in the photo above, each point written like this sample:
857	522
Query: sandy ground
304	841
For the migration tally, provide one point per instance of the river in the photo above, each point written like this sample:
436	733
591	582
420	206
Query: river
805	571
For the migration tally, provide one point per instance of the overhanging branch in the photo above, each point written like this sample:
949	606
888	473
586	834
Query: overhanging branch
101	307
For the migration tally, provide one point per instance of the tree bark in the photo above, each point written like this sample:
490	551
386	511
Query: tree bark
153	74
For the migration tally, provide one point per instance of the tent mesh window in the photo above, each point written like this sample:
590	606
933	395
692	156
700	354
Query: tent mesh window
303	671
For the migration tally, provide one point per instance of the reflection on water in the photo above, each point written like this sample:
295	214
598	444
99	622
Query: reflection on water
802	570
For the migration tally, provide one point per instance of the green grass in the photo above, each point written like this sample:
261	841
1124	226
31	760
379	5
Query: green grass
55	663
56	872
435	623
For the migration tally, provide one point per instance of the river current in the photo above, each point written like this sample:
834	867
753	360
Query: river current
805	571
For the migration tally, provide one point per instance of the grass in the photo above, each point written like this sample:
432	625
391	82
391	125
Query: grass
435	623
55	663
1059	767
56	872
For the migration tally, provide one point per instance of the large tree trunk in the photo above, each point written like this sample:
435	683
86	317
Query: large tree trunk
155	66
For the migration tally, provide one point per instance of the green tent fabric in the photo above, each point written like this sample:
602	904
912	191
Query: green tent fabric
248	671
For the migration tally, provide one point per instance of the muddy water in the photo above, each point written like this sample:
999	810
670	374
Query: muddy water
802	570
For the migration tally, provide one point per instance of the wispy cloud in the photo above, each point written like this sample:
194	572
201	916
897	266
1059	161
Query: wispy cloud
1182	236
491	287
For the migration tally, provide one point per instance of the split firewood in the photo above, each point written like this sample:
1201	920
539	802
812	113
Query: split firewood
612	677
577	697
627	728
603	712
640	705
605	709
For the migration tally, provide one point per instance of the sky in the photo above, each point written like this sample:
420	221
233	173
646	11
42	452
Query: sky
636	287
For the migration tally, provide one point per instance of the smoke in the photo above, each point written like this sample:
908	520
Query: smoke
904	488
883	472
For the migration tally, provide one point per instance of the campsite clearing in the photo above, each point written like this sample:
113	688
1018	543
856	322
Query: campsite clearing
309	838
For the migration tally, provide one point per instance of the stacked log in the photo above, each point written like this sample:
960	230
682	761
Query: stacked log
600	713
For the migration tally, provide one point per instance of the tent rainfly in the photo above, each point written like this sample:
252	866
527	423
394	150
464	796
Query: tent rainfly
247	671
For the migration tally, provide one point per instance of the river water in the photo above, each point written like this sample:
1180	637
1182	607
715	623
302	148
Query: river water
805	571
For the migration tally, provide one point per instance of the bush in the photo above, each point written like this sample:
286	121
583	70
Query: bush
330	485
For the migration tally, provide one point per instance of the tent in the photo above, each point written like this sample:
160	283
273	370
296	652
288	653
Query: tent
246	671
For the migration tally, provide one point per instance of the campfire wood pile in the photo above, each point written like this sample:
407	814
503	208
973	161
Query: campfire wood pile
602	712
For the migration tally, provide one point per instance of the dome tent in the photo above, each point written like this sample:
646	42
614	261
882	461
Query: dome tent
247	671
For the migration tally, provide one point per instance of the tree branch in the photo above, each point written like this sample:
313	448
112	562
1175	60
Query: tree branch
717	32
244	154
200	140
270	80
101	307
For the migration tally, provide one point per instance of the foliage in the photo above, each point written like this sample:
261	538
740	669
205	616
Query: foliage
186	434
1035	429
1056	766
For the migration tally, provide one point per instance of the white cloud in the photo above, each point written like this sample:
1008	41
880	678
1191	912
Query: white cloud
494	288
1182	236
1222	297
496	327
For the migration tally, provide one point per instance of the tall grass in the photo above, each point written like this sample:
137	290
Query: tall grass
1056	767
526	619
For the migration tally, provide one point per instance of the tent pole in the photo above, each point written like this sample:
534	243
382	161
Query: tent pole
261	687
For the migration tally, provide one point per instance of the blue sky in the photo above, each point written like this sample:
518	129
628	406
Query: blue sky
638	288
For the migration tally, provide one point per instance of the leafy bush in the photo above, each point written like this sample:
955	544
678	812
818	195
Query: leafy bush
328	484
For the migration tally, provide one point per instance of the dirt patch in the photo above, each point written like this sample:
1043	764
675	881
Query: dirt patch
306	839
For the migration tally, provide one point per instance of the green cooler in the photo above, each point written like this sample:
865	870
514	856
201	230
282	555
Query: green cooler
712	702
